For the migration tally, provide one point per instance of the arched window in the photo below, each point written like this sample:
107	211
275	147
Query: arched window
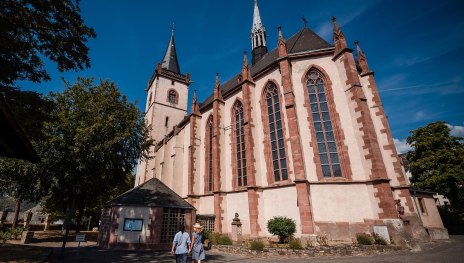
239	136
172	96
279	161
325	139
209	155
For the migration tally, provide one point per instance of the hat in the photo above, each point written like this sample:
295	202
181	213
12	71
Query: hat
198	226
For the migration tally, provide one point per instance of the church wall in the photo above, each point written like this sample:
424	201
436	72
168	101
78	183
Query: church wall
202	151
343	203
237	203
206	206
279	202
349	118
386	154
166	176
176	112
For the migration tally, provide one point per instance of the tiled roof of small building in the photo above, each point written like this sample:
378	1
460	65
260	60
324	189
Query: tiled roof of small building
303	40
152	193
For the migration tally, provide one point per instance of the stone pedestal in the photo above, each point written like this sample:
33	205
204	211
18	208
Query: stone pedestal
236	229
27	237
27	219
3	218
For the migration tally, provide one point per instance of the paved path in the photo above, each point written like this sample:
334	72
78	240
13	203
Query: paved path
441	251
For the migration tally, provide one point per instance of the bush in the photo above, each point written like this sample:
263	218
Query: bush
4	236
281	226
224	240
257	245
295	244
219	239
379	240
17	231
364	239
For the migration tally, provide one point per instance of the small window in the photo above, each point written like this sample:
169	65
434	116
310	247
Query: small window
172	82
422	208
172	97
131	224
166	122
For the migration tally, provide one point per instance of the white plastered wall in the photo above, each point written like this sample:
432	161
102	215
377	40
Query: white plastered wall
279	202
134	213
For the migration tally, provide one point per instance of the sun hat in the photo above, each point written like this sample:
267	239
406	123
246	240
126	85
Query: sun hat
197	226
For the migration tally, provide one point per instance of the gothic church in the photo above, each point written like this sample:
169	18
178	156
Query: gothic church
300	132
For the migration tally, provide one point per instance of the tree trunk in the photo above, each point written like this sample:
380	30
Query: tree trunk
16	215
67	221
78	220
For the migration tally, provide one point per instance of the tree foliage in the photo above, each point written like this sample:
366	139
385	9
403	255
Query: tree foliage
437	161
18	178
96	138
281	226
34	29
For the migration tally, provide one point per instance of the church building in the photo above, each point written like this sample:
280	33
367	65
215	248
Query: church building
299	132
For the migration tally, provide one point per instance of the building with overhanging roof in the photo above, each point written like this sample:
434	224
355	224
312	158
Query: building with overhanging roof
300	132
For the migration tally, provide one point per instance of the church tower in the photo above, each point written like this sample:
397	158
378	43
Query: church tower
166	106
258	37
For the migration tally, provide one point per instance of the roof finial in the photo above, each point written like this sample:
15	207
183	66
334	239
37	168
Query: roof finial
194	95
245	59
305	22
279	30
173	28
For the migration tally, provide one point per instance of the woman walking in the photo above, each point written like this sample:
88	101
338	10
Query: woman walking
196	248
181	244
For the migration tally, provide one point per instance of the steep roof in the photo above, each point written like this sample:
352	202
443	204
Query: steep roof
170	57
152	193
303	41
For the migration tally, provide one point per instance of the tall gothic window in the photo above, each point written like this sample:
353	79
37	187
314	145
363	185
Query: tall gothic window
172	96
239	133
325	139
209	153
279	162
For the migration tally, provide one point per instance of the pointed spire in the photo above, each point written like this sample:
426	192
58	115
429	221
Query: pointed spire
195	105
361	59
258	36
170	57
217	90
245	68
281	45
338	37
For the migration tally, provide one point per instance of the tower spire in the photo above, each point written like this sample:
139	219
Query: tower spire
258	36
170	57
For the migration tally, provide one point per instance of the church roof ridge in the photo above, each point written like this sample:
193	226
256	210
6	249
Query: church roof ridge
302	41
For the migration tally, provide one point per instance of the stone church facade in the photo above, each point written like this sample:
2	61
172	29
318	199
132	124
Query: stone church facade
300	132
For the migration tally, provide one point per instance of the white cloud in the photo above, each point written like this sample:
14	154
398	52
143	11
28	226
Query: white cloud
402	146
456	130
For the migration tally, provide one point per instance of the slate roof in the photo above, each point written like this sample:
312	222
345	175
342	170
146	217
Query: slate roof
170	61
303	41
152	193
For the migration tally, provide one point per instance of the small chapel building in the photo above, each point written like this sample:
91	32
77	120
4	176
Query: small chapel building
300	132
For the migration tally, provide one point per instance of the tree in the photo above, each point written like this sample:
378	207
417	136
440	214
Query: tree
96	138
437	161
33	29
281	226
19	178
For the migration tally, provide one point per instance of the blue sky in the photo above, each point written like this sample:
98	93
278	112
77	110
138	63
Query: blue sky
416	48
